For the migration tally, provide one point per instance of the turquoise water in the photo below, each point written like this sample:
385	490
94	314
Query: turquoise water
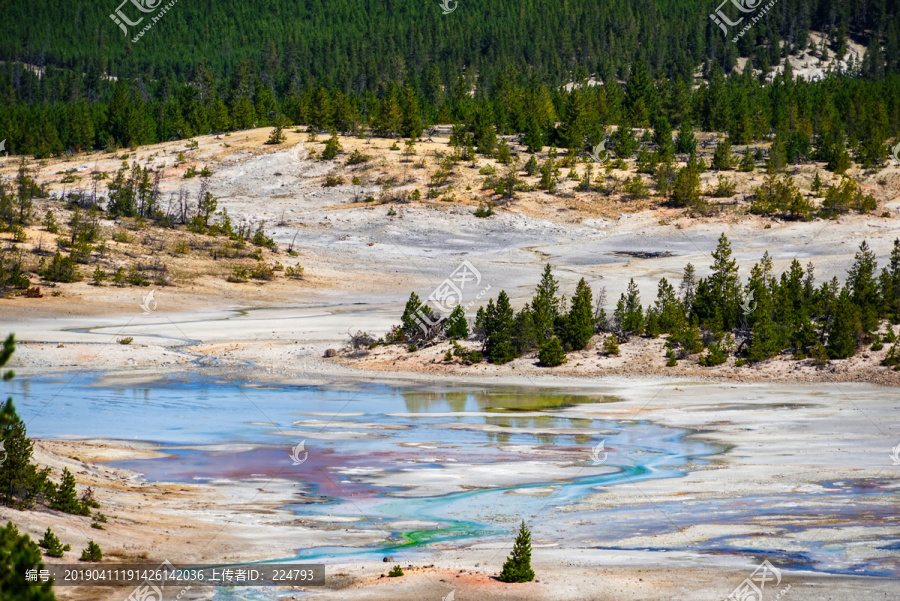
216	430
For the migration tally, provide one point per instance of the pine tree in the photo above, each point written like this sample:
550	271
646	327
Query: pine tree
92	552
546	305
722	158
517	567
864	288
412	118
629	313
65	498
524	338
580	320
416	317
842	331
456	326
723	285
662	136
21	552
498	327
51	543
686	188
685	143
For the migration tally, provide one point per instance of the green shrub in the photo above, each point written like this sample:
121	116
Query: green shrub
61	269
551	353
484	210
715	355
332	147
238	275
262	271
63	497
356	157
52	545
127	340
611	346
92	552
395	572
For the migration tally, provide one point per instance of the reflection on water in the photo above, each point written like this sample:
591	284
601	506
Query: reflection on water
498	400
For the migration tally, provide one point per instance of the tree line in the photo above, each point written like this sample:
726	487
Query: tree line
842	114
716	316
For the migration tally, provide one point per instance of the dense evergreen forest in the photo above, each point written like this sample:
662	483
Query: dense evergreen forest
399	66
716	315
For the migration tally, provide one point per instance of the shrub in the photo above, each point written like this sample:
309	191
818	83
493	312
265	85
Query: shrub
484	210
262	271
722	159
51	543
126	340
332	147
356	157
395	572
551	353
92	552
671	360
715	355
61	269
635	187
238	274
724	188
332	181
611	346
294	272
50	223
518	565
412	348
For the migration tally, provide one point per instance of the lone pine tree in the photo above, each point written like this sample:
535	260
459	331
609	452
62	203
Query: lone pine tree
518	565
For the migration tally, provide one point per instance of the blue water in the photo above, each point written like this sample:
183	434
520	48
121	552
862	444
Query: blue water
386	428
